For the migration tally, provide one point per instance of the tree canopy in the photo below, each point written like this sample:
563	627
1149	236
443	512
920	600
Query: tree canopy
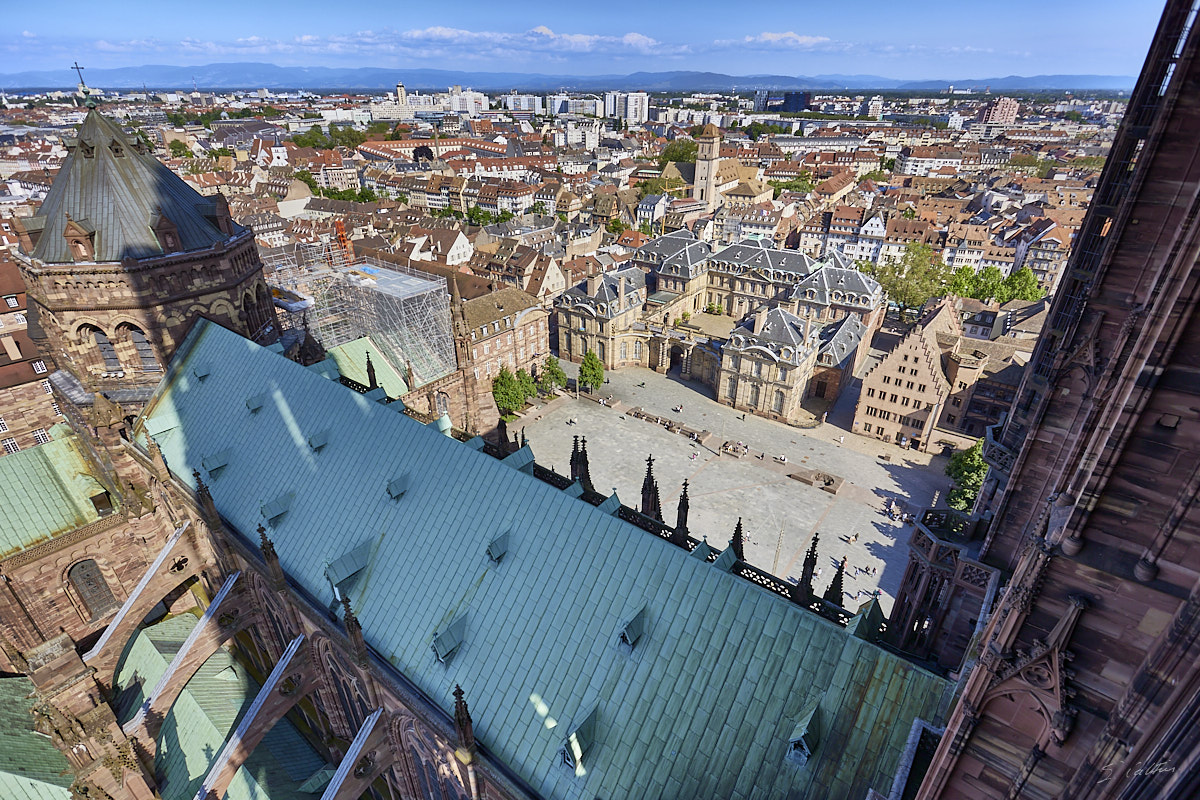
179	149
591	371
967	469
553	376
678	150
511	390
338	137
910	280
990	284
803	184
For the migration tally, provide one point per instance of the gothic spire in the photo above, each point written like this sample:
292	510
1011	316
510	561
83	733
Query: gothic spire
502	430
354	632
738	542
207	507
651	505
274	569
575	459
810	567
585	471
836	589
462	721
679	535
372	383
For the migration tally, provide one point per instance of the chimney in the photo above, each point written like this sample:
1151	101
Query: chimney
11	348
621	292
760	319
593	285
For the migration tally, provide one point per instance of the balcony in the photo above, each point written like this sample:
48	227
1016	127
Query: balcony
995	454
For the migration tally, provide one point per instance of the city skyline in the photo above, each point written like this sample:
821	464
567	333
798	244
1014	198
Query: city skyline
944	41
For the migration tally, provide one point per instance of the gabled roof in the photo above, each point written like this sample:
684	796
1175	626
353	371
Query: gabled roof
702	707
118	189
780	326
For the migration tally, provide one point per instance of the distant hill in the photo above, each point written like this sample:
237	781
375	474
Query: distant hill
255	75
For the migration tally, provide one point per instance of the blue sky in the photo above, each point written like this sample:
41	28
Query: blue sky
907	40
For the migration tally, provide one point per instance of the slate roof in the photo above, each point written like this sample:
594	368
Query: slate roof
755	254
840	339
780	326
120	197
846	280
31	767
704	704
45	491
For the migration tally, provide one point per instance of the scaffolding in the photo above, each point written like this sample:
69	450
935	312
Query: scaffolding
340	298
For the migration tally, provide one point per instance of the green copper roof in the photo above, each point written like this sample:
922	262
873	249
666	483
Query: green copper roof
351	360
118	193
204	715
31	767
704	703
45	491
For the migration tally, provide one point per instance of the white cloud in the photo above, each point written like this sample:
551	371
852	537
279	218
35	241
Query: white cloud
29	34
442	42
787	39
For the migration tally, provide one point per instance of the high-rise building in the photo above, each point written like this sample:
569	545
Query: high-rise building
1087	680
637	108
795	101
1001	111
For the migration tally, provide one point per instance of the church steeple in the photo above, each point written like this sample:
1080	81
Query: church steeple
585	471
680	535
651	505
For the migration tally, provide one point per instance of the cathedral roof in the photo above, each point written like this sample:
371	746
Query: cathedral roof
116	190
45	491
721	671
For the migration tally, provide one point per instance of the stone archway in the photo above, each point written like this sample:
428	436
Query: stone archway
677	359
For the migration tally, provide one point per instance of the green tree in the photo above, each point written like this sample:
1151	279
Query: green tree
219	152
305	177
679	150
962	282
553	376
479	216
591	371
913	278
508	392
616	227
179	149
1021	285
538	208
525	384
967	469
803	184
988	284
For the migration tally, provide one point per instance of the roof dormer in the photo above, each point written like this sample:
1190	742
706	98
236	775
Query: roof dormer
81	239
167	233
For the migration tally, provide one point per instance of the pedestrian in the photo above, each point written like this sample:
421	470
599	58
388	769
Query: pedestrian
819	571
824	417
841	439
853	538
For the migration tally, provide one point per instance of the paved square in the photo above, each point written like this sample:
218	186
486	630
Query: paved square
779	514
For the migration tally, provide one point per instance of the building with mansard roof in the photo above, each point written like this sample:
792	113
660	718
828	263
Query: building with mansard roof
684	299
